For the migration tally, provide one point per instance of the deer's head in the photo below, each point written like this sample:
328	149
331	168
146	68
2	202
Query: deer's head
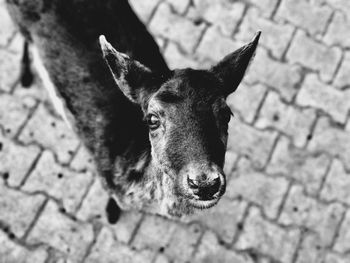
187	118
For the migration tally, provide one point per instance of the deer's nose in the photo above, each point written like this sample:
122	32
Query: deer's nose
204	186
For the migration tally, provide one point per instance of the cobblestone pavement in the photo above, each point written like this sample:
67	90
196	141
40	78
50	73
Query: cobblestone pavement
288	159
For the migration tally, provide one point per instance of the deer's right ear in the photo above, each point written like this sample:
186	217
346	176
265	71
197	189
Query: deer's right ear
232	68
130	75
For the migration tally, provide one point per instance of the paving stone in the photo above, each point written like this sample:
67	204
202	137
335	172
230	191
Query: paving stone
331	139
245	140
211	251
177	60
266	191
155	232
83	160
339	5
108	250
16	160
314	55
183	242
318	95
306	14
275	36
10	252
7	29
223	219
180	6
230	161
52	133
335	258
288	119
246	100
126	225
225	15
338	30
94	204
268	238
215	46
280	76
312	250
67	186
308	169
70	237
9	69
342	79
337	183
342	243
266	7
13	114
304	211
18	210
174	27
161	258
144	9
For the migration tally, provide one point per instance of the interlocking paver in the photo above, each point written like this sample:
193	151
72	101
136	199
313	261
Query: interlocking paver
108	250
337	183
224	14
266	191
155	232
248	141
342	79
253	22
52	133
67	186
328	138
291	162
318	95
175	27
288	119
183	242
211	251
312	249
266	7
144	9
337	30
246	100
305	211
11	252
16	160
70	237
224	219
306	14
215	46
13	113
18	210
277	75
314	55
342	243
268	238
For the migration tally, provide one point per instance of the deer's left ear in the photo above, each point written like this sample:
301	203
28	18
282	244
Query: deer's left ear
232	68
130	75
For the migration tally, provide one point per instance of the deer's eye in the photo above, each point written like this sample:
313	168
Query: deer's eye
153	122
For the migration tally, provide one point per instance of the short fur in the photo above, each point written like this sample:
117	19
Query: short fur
143	169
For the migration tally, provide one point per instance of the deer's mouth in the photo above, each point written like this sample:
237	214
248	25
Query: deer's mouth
203	204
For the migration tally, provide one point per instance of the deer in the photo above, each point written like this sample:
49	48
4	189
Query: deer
157	135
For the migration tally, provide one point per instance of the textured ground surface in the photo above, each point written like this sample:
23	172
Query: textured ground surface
288	160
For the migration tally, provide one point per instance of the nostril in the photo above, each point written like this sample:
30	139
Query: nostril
207	192
191	183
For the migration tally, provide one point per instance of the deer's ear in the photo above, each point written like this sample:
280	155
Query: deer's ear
130	75
232	68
